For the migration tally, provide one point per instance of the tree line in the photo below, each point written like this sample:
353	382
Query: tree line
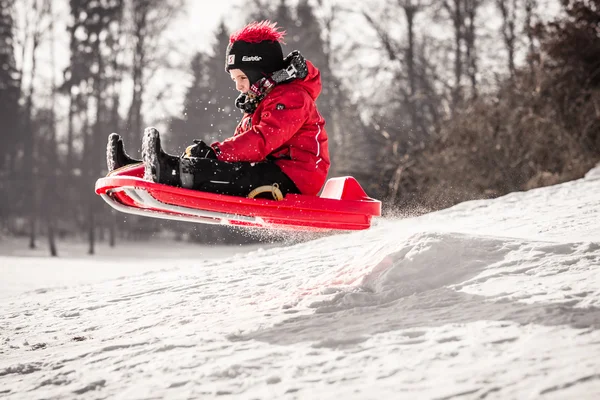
432	103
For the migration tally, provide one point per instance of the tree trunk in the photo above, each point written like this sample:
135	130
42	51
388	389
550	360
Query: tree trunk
51	193
69	162
458	22
32	227
93	158
134	118
112	230
471	7
51	237
29	137
507	10
456	14
530	7
91	230
410	11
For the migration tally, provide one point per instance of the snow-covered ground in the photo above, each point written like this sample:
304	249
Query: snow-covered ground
26	270
494	299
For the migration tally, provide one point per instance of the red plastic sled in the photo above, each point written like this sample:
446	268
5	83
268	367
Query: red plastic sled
342	205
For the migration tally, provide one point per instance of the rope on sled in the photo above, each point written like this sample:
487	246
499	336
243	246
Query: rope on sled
273	190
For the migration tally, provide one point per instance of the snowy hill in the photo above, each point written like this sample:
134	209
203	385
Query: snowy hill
494	299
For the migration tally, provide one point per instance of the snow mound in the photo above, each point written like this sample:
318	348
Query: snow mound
447	278
593	174
423	262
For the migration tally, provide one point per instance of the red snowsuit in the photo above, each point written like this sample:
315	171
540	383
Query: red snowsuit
287	127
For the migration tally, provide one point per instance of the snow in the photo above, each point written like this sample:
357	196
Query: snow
25	270
494	299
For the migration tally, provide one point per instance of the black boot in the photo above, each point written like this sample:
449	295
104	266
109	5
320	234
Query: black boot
115	153
159	166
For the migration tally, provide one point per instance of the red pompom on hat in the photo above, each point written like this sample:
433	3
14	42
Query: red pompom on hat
256	50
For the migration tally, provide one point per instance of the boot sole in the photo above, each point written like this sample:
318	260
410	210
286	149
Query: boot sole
111	152
150	155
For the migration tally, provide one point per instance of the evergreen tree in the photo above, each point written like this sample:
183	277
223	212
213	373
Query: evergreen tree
187	128
92	28
225	115
209	112
9	109
9	88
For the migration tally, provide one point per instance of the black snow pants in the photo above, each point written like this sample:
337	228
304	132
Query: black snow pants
235	178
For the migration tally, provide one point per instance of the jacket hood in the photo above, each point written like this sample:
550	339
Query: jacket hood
312	82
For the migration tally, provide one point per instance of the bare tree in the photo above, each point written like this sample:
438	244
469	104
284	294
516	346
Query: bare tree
149	19
410	7
52	182
530	10
414	90
470	35
455	9
508	10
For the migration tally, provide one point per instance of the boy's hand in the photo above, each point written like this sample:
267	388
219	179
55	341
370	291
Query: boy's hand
200	150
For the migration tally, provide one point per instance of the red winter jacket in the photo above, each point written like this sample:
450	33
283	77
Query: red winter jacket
288	127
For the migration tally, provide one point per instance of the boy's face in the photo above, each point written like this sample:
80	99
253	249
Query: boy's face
242	83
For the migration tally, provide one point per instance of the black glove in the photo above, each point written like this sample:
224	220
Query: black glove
295	68
244	103
200	150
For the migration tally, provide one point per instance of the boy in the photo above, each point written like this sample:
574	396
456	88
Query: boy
279	146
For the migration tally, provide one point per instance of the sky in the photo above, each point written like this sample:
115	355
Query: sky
494	299
203	18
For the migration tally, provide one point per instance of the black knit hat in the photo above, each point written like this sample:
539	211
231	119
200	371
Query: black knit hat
256	50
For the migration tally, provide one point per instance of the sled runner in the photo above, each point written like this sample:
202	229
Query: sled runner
342	205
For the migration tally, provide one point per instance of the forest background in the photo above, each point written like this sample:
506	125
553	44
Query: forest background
428	103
